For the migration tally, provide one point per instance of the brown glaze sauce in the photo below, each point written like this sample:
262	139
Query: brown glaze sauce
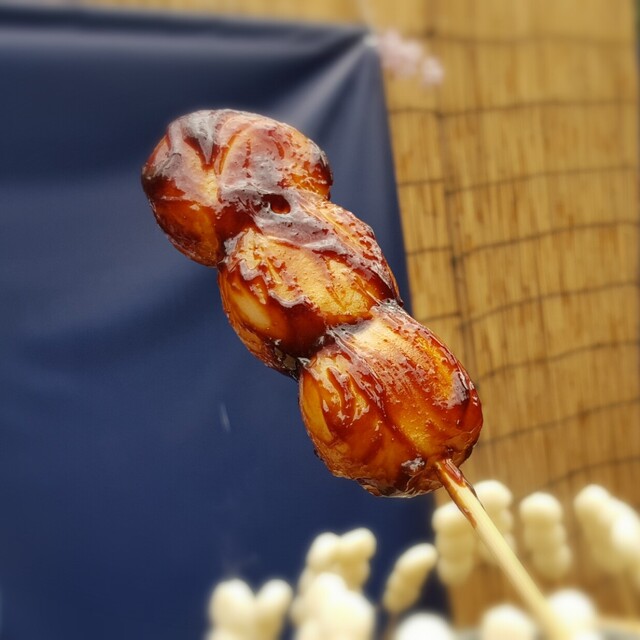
307	289
391	379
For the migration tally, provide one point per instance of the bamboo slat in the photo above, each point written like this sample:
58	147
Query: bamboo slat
517	180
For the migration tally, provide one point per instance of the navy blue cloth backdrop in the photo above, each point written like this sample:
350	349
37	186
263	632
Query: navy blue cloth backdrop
144	454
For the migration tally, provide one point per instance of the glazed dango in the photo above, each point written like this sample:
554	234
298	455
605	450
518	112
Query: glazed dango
307	289
286	281
213	170
385	400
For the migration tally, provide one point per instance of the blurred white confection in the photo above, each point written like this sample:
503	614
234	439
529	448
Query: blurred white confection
416	562
455	545
323	551
423	626
309	630
334	564
274	596
407	577
358	543
330	611
356	573
545	536
454	571
347	555
355	549
504	520
605	558
506	622
306	578
625	536
306	605
348	616
231	607
449	520
589	502
541	538
611	528
494	495
271	605
575	609
540	509
398	599
611	511
553	564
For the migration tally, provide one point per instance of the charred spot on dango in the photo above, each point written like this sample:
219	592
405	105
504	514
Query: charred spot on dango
276	202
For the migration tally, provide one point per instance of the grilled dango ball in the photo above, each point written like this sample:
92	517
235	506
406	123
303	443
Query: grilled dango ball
285	283
213	170
385	400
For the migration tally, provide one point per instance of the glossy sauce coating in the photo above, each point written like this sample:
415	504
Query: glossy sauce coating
286	282
307	289
250	196
385	400
214	170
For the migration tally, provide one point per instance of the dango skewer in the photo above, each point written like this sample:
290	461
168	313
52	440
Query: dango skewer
307	289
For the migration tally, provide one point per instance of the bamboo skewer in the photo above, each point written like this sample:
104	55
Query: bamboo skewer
465	498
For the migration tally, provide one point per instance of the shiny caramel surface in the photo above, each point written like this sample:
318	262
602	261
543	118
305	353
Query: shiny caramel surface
213	170
385	400
250	196
307	289
287	281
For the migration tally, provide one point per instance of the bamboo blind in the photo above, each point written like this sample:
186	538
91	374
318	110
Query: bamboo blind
521	228
517	180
